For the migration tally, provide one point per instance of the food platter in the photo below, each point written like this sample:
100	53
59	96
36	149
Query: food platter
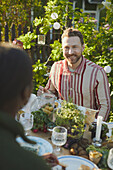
42	145
74	162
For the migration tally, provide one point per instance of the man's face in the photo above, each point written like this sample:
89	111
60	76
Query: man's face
72	49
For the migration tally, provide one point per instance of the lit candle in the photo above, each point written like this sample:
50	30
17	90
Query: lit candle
98	127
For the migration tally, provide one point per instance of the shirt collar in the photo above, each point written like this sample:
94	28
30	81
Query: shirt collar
78	69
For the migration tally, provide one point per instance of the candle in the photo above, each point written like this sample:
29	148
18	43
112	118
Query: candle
98	127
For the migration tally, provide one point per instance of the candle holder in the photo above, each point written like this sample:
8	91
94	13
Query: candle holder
97	143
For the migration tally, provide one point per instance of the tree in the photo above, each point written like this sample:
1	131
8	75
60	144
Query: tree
17	12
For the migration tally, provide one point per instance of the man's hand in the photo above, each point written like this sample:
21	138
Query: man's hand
51	159
42	90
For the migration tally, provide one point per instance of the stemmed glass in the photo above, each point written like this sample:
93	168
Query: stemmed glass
26	119
59	138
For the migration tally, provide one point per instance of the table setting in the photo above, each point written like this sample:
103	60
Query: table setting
69	131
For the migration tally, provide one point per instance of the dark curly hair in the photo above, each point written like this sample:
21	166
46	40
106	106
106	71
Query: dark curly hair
15	71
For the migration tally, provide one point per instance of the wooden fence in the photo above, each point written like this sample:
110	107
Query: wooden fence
40	51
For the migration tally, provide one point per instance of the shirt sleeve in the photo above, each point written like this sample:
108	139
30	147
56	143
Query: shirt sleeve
49	85
103	94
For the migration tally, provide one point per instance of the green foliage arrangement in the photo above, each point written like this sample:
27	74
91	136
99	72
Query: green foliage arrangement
41	119
70	117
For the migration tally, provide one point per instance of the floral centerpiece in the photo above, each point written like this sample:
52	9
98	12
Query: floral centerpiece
69	116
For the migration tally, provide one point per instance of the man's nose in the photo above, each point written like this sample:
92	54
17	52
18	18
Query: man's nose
70	50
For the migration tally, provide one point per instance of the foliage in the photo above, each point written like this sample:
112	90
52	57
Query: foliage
39	69
56	52
40	119
18	11
27	40
62	8
110	117
104	150
70	116
43	118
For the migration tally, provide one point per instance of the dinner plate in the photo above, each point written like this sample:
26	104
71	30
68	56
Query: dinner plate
42	145
74	162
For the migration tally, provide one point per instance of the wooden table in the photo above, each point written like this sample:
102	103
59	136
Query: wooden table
47	136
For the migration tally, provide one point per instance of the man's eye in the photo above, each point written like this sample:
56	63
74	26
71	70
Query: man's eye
66	48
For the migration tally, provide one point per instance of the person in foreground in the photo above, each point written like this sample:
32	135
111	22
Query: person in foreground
15	90
76	77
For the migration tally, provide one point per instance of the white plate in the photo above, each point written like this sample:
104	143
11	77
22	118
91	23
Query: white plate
74	162
44	145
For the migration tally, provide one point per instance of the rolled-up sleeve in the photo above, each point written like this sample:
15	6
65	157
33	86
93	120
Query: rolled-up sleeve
102	94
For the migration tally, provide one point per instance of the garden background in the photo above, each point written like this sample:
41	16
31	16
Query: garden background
51	18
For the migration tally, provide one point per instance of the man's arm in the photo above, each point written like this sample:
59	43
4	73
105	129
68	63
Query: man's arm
50	86
102	93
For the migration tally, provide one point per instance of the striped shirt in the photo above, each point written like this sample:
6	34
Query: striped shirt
87	86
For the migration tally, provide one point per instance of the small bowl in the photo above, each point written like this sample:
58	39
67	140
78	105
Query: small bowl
95	156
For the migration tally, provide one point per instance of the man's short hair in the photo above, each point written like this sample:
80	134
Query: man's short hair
71	32
15	71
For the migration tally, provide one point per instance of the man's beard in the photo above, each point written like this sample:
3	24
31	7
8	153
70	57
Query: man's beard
74	59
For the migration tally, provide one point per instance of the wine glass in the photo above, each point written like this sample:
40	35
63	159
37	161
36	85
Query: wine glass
26	119
59	138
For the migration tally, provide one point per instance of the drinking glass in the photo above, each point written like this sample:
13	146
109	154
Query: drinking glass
26	119
59	138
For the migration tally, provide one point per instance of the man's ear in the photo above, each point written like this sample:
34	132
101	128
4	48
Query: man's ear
83	47
26	94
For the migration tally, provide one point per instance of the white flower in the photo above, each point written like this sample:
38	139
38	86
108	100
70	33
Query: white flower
54	15
56	25
107	4
107	69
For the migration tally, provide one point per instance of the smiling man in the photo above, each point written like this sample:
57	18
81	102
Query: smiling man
78	78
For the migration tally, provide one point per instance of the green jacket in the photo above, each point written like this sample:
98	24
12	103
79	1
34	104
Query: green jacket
12	156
